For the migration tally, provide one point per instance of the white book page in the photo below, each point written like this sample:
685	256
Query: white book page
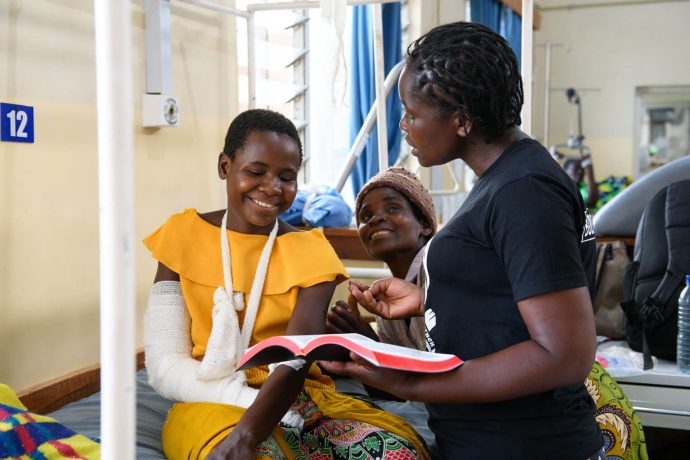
407	352
302	340
395	349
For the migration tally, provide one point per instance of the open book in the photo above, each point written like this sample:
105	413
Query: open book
337	347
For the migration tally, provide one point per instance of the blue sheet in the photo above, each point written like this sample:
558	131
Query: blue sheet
326	208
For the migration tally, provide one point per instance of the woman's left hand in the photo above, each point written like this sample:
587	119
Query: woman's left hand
392	381
344	317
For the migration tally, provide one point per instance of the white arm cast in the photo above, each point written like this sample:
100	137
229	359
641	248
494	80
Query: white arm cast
168	346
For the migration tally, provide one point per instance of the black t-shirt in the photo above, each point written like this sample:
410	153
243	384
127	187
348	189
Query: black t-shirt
523	231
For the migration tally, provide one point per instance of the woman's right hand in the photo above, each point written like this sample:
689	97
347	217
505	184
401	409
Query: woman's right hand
390	298
394	382
233	447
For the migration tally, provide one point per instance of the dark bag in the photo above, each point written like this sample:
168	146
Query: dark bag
654	279
612	258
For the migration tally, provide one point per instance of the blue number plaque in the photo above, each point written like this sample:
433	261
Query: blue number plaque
16	123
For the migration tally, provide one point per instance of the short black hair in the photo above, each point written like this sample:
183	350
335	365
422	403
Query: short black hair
468	68
258	120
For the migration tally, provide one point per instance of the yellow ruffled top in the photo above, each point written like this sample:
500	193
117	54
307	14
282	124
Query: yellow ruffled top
190	246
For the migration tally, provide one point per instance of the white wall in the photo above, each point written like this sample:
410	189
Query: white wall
607	52
48	190
427	14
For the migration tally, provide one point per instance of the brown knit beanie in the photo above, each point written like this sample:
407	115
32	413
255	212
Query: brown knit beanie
406	183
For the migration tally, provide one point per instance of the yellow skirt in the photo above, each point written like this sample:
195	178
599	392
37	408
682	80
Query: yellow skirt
349	426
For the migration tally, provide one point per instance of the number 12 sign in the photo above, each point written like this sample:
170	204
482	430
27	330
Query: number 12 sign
16	123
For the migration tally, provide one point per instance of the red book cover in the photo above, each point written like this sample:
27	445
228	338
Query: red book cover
337	347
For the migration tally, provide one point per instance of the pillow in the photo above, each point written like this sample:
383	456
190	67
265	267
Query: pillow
24	434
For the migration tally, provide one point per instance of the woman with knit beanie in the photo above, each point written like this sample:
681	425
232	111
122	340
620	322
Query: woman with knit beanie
395	219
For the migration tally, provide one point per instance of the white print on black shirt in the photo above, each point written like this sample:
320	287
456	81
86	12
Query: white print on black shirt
588	230
429	324
429	315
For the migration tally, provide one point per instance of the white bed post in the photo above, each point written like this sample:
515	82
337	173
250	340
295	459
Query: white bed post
379	75
526	65
116	208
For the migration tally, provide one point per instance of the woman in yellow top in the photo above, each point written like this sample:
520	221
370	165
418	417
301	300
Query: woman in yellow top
197	324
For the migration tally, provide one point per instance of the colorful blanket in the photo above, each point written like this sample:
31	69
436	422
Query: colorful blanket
608	188
25	435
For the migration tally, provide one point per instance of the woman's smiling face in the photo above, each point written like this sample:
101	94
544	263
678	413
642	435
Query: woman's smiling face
432	134
388	225
261	180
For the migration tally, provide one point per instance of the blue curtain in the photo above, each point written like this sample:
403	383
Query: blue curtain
487	12
510	28
363	91
501	19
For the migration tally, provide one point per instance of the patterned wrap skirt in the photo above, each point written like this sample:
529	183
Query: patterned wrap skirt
337	427
617	420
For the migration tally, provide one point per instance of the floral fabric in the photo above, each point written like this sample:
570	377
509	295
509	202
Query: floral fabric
617	419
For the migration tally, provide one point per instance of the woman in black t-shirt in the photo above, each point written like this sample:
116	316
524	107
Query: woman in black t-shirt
509	277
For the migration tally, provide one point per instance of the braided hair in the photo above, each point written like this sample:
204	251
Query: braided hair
468	68
258	120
